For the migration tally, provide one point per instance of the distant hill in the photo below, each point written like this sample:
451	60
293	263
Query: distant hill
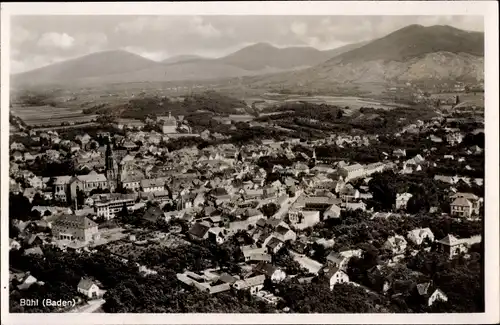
414	41
262	55
121	66
92	65
413	53
182	58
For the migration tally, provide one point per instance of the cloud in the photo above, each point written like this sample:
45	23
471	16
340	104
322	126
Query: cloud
56	40
204	29
92	41
192	25
299	28
19	35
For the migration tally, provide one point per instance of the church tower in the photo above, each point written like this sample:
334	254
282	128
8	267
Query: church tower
111	167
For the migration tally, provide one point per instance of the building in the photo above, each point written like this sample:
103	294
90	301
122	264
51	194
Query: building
169	125
351	172
199	231
396	244
335	275
109	205
153	185
273	273
425	291
452	246
465	205
87	183
88	288
61	188
333	212
73	227
402	200
254	253
254	284
417	236
112	169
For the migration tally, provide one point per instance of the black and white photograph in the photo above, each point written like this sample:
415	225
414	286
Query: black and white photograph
249	163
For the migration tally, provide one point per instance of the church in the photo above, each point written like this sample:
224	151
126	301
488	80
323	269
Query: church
169	124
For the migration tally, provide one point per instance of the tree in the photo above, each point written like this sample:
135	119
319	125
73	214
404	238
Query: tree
19	207
270	209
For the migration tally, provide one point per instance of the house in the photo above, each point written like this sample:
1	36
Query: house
152	185
218	235
452	246
396	244
333	212
355	206
254	253
17	156
34	251
274	245
35	182
28	156
337	260
399	153
335	275
198	231
74	227
14	244
88	288
402	200
17	146
274	273
454	138
254	284
465	205
348	192
461	207
424	290
341	259
27	282
285	234
417	236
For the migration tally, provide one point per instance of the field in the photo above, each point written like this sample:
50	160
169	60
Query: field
472	99
51	116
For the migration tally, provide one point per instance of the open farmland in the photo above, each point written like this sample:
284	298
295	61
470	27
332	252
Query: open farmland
51	116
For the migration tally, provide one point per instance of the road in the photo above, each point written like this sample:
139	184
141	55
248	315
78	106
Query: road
286	206
306	262
89	307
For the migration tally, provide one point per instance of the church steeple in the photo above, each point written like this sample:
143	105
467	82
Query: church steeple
109	158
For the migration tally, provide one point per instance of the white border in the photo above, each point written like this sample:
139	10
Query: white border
488	9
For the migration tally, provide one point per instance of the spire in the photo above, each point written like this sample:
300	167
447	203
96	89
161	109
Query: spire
169	115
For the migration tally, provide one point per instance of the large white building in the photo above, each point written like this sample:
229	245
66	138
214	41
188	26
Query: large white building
169	124
352	172
74	227
108	205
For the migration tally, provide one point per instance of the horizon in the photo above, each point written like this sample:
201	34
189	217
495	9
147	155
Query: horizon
210	37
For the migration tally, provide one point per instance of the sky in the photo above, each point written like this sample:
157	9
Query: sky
37	41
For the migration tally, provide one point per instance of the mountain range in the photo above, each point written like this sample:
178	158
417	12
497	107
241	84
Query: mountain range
413	53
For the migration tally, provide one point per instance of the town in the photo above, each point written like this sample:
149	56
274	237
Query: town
161	214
